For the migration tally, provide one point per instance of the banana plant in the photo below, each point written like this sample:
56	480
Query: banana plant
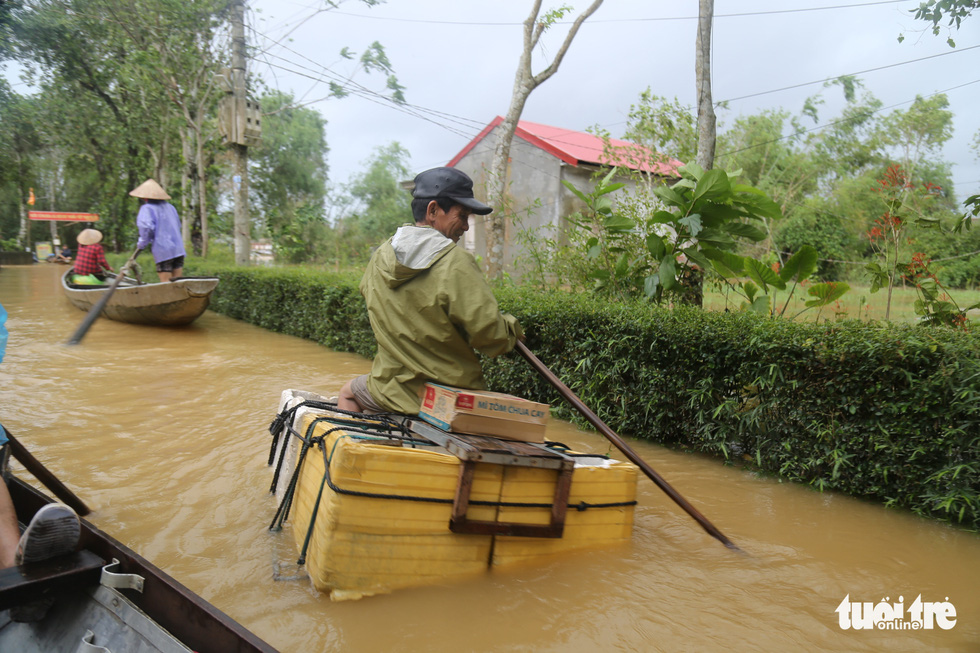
702	220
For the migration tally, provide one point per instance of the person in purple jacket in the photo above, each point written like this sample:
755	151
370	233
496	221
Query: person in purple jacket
159	226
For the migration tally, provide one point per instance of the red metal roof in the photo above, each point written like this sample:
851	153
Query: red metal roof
575	147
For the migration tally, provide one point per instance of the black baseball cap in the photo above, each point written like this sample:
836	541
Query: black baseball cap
450	183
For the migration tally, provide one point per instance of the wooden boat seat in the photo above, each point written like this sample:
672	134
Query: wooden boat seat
473	449
21	584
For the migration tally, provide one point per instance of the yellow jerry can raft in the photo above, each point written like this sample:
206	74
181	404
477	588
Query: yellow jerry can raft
376	505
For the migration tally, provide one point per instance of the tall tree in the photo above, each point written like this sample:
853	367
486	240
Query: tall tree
288	173
380	203
179	57
87	69
525	81
919	131
702	70
664	127
20	142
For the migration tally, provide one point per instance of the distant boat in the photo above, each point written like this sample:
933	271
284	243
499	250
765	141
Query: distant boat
108	598
172	303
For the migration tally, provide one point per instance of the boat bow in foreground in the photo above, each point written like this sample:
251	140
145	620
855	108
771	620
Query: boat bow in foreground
108	598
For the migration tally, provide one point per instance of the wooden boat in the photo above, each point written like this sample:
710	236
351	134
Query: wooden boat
173	303
377	503
108	598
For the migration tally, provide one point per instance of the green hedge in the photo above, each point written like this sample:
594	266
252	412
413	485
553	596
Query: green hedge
889	412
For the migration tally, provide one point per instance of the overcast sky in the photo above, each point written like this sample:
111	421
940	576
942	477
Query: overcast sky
457	60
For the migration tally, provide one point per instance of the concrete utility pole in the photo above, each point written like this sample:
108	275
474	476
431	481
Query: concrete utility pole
243	243
702	69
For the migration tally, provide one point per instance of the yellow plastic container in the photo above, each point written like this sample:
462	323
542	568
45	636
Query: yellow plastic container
362	545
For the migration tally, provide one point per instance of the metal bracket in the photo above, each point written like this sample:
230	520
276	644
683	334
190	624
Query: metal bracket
120	581
473	449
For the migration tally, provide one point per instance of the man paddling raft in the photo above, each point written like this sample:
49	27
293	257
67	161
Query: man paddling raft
430	306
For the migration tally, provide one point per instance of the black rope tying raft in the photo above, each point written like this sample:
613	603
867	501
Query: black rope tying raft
281	427
381	426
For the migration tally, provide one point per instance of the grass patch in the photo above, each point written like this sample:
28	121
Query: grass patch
857	304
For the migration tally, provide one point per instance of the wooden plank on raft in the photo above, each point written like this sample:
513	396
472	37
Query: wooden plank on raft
473	449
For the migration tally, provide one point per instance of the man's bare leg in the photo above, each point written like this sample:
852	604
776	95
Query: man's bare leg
347	401
9	530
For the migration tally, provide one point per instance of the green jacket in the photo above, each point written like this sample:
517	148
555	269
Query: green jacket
430	308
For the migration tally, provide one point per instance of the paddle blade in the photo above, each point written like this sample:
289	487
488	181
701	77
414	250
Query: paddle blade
95	311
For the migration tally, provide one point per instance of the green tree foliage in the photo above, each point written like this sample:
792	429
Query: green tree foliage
851	142
951	11
817	224
380	204
919	132
664	127
954	260
758	146
20	144
111	91
824	179
6	19
771	162
647	246
288	174
384	204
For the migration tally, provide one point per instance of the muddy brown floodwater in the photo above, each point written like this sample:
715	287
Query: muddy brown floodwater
163	432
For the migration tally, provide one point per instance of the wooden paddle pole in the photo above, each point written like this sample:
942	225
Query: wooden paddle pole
95	311
611	435
41	473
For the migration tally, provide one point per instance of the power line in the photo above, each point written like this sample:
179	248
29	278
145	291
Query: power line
377	98
357	89
415	111
458	118
621	20
468	124
837	122
860	72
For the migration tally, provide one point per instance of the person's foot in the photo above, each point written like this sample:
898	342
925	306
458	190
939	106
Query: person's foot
54	531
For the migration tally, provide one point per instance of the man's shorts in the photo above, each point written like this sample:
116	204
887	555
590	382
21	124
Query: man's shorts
358	387
171	264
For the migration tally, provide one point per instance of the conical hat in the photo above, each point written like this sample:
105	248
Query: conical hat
89	237
150	190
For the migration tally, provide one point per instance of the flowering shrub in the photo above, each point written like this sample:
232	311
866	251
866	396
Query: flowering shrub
889	237
935	305
660	249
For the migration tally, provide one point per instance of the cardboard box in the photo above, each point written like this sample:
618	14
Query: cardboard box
479	412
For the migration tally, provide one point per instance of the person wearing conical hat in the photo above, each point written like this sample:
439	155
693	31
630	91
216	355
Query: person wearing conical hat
91	257
159	226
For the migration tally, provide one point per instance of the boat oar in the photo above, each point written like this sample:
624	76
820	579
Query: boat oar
41	473
93	313
611	435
